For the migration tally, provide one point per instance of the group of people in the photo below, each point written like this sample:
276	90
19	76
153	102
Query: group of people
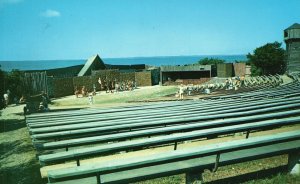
185	89
44	102
8	98
111	86
106	85
234	83
83	91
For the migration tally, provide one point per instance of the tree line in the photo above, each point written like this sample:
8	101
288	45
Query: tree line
268	59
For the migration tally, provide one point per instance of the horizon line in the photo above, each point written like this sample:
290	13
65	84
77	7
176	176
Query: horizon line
132	57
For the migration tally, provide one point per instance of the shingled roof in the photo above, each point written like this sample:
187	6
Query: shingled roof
294	26
93	63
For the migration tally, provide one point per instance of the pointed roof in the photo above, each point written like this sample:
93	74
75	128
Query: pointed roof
294	26
93	63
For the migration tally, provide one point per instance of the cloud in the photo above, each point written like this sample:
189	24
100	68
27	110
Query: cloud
50	13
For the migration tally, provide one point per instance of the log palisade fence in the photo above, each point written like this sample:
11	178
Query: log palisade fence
80	141
35	83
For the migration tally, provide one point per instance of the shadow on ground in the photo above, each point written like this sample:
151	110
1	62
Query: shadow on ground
18	164
21	174
7	125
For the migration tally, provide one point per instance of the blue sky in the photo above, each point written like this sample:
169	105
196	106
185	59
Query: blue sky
77	29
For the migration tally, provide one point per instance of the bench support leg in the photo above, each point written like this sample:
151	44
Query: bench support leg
294	163
247	134
217	163
98	178
194	177
175	146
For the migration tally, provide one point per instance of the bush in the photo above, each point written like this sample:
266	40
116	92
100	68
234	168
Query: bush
211	61
268	59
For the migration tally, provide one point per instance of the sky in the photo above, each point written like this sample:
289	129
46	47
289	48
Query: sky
78	29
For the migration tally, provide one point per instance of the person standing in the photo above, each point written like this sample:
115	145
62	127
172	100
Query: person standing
100	83
91	100
6	97
181	91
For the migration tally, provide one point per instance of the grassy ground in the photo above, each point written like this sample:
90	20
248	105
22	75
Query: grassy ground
108	99
18	163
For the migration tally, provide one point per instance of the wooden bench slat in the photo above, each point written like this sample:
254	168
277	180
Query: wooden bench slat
179	155
199	164
172	116
110	148
160	123
172	129
138	114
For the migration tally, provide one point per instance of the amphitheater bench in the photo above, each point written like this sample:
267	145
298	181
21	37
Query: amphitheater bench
190	161
78	154
159	123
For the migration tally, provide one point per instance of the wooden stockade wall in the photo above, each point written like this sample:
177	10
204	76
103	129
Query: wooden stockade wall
83	81
127	77
143	78
111	75
35	83
63	86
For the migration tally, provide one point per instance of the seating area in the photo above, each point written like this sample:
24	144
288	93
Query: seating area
73	146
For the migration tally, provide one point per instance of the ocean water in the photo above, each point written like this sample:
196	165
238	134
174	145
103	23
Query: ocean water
153	61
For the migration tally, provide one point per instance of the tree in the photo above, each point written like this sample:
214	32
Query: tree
13	82
211	61
268	59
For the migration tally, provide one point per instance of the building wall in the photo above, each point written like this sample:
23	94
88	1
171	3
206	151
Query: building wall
155	76
143	78
171	77
225	70
239	69
185	68
293	56
292	33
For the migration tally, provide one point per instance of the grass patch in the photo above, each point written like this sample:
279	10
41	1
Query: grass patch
277	179
142	94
